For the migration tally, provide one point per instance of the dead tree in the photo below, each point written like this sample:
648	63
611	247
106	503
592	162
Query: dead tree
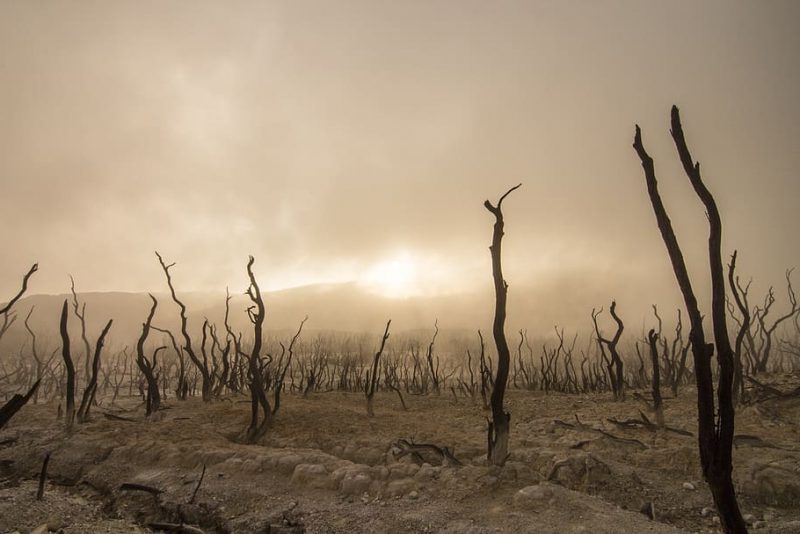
768	331
70	368
678	348
16	402
80	313
715	430
182	387
7	308
499	426
187	340
283	367
615	366
147	367
258	391
433	368
91	386
34	352
6	312
652	340
372	376
739	297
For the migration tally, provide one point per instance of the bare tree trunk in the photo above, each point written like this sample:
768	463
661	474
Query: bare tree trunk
153	398
81	315
187	340
258	393
652	339
429	356
616	373
715	439
70	368
91	386
10	408
7	308
499	426
744	328
34	353
283	369
372	377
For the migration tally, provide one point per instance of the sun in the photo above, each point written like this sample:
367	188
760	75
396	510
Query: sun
394	277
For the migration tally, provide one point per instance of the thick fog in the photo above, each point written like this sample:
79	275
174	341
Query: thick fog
356	142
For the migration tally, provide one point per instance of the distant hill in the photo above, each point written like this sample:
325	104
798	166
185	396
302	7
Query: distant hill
330	307
338	307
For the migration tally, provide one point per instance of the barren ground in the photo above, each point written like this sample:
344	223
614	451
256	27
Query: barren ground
326	467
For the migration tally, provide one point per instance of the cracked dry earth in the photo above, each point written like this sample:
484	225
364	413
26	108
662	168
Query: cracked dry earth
326	467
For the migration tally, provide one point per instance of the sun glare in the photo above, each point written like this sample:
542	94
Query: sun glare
393	277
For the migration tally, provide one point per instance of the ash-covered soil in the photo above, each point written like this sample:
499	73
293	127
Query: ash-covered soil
327	467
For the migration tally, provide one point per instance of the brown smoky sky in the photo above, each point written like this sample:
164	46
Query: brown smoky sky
332	139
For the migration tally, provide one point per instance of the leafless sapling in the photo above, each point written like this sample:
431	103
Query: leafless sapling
744	329
768	331
615	365
652	340
283	367
147	367
372	376
80	312
91	386
433	368
187	340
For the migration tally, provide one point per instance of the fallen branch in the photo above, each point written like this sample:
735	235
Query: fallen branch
740	440
581	426
769	392
627	441
129	486
445	455
113	417
175	527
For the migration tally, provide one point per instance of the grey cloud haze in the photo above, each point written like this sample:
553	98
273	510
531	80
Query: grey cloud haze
327	137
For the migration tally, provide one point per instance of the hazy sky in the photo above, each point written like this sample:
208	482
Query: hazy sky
357	140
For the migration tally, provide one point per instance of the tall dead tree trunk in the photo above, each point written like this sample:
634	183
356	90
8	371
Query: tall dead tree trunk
69	415
91	386
258	392
652	340
500	425
153	398
372	376
715	435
